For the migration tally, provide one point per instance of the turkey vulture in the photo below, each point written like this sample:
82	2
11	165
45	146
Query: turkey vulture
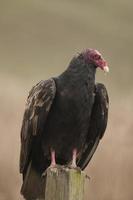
64	119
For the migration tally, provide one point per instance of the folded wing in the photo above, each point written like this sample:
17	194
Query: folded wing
37	108
97	125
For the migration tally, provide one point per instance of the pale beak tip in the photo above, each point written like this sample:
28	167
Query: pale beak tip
106	69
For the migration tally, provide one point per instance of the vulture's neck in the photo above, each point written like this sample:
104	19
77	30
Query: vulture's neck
79	72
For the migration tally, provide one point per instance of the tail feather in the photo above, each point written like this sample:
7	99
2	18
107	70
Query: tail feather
33	186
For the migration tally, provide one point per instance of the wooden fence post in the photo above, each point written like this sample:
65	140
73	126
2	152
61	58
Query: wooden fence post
58	183
62	183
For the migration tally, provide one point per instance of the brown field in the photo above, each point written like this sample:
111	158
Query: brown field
37	40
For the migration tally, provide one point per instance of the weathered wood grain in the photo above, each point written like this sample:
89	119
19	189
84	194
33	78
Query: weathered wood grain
63	183
58	183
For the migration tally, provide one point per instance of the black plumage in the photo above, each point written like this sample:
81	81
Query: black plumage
62	114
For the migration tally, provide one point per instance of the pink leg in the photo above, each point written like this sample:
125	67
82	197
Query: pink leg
74	156
53	162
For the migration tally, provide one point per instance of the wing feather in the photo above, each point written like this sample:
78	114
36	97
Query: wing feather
37	108
97	127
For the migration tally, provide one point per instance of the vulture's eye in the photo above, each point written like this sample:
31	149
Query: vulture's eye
97	57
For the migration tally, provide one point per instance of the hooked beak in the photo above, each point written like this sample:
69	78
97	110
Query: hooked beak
106	69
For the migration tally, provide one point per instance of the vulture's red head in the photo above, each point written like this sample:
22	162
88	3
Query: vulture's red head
93	56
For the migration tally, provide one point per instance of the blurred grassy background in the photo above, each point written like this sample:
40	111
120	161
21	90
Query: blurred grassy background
37	40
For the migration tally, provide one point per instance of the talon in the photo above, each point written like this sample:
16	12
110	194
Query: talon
76	168
88	177
73	164
44	173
